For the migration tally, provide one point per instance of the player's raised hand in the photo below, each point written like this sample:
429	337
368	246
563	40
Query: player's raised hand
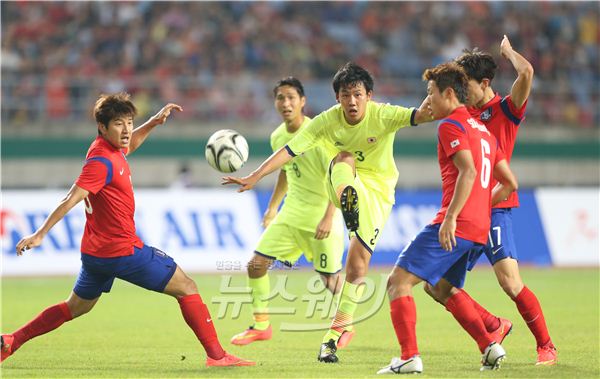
446	234
28	242
246	183
164	113
505	47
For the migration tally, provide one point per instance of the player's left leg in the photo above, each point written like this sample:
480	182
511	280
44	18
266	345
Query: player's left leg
509	278
502	254
152	269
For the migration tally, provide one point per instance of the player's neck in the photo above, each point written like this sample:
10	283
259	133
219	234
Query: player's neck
488	94
295	124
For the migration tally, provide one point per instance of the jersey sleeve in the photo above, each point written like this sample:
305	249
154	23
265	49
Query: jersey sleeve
274	144
452	137
514	114
500	155
308	137
396	117
96	173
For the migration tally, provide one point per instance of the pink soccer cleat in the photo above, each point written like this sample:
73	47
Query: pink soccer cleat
250	335
6	341
228	360
547	355
503	330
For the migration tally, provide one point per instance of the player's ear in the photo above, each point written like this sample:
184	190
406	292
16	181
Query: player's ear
485	83
302	101
337	97
369	94
102	128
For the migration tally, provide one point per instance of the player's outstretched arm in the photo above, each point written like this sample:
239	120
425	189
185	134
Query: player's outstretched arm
467	173
275	161
507	182
324	227
75	195
281	187
140	133
522	85
424	113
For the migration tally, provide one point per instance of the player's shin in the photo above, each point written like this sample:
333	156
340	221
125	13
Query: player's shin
342	175
461	307
531	311
48	320
349	298
198	318
260	292
404	318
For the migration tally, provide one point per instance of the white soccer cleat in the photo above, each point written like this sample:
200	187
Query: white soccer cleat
413	365
493	355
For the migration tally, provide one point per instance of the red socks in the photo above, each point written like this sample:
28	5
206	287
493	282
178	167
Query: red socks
198	318
529	307
490	321
461	307
404	319
50	319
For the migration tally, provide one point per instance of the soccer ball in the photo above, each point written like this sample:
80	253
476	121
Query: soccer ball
226	150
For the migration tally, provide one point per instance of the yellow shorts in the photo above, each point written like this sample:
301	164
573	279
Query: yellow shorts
286	243
373	212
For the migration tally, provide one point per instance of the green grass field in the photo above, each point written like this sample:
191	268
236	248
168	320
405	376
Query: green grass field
136	333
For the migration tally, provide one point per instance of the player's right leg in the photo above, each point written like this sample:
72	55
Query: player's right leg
89	286
404	320
342	172
497	327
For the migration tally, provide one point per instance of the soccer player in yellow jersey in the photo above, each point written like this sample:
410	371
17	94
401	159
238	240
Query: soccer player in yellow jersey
358	135
307	222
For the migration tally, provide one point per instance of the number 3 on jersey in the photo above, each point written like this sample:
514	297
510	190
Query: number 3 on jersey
486	165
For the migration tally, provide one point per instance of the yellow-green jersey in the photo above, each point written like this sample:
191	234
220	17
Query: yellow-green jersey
371	141
306	200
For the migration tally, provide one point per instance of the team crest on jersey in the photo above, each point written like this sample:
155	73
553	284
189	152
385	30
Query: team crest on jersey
371	139
486	115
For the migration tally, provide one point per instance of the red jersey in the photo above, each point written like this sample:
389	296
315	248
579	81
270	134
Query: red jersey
459	131
110	206
502	119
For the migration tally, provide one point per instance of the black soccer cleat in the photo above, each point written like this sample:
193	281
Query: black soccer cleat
327	352
349	205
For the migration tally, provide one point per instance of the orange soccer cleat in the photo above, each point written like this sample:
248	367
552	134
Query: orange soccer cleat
6	341
503	330
228	360
547	355
250	335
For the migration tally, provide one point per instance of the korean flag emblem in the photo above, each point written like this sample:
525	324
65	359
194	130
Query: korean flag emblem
454	143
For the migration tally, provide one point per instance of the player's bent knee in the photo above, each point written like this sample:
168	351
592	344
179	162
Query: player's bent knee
346	157
511	286
332	282
79	306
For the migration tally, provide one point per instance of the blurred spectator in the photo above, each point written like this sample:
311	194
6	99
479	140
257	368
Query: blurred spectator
218	58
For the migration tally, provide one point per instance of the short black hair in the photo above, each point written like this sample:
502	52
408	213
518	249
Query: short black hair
292	82
450	75
109	107
352	74
477	64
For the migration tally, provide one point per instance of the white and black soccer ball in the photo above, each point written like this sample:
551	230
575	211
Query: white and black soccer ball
226	150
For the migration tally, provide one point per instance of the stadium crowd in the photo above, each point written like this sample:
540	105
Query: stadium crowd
218	59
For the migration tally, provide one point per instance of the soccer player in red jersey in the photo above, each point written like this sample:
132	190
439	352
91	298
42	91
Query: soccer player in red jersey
468	157
110	247
502	117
